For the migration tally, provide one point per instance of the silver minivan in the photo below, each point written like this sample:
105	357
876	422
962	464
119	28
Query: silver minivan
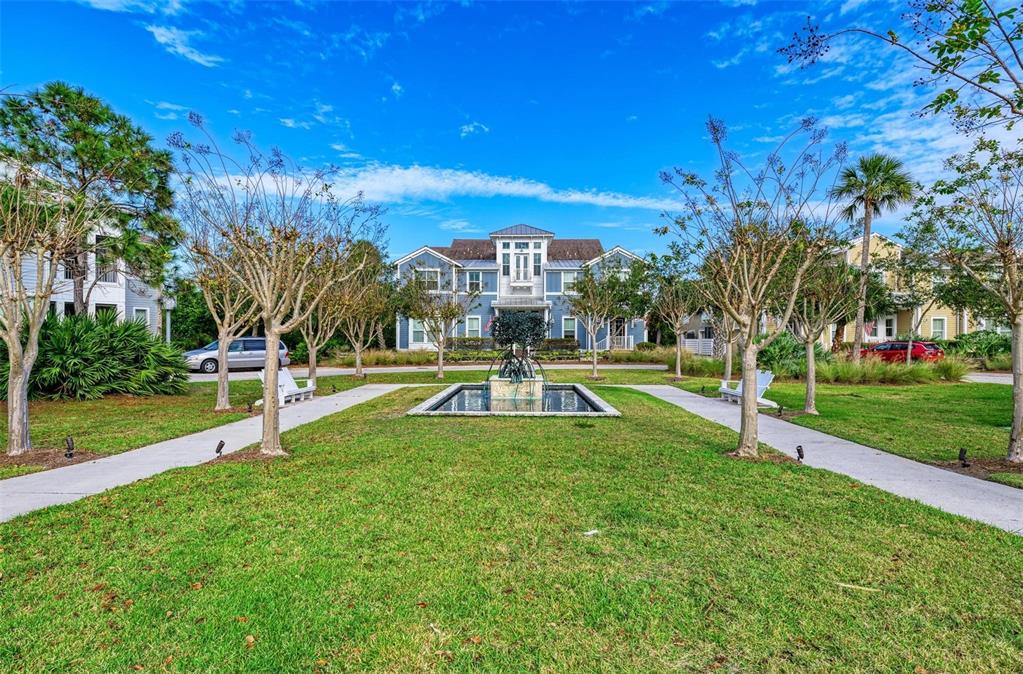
243	352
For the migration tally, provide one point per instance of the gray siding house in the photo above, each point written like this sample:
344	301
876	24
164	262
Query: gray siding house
519	268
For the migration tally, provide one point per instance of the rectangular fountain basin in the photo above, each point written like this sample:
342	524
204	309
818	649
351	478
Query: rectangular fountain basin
474	400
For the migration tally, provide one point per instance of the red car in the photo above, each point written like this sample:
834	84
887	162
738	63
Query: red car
895	352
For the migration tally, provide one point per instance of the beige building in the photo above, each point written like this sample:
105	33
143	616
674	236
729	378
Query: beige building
935	321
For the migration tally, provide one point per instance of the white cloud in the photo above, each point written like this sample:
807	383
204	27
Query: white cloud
632	118
850	5
170	7
295	124
359	41
397	90
167	115
396	184
463	226
473	128
340	147
176	41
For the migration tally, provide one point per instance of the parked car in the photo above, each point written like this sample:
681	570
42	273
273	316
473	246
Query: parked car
895	351
242	353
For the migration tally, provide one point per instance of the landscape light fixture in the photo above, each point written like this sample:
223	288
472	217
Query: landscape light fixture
799	453
781	408
69	443
333	389
250	407
962	458
220	447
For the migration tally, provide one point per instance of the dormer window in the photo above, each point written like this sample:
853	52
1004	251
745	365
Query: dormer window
505	245
537	245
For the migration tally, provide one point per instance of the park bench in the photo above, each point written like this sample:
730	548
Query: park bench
734	395
288	390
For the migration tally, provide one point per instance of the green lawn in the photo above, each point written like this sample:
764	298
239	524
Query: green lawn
926	422
395	543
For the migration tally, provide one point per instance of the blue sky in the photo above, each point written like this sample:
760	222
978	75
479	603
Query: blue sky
465	118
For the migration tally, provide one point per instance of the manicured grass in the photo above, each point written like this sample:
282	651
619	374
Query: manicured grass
927	422
395	543
1011	479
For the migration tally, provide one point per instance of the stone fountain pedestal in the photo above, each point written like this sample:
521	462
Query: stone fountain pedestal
509	396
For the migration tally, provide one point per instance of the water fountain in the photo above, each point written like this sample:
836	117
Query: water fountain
520	387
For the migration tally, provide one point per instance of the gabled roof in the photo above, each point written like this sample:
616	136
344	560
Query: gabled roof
616	249
522	230
472	249
574	249
439	251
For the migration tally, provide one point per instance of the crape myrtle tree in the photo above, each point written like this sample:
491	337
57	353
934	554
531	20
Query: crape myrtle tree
918	283
676	299
752	236
967	49
39	226
876	183
325	316
371	298
970	223
101	159
829	291
603	292
439	303
214	259
278	221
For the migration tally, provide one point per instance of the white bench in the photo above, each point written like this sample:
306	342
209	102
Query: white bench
287	390
734	395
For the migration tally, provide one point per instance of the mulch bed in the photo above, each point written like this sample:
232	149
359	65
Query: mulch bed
981	468
47	459
245	455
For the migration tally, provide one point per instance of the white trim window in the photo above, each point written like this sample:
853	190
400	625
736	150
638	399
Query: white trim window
938	327
472	326
140	314
416	331
568	280
474	281
568	327
431	278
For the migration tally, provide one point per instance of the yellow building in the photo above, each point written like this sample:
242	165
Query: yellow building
933	322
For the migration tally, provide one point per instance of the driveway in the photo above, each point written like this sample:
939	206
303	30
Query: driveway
989	378
303	372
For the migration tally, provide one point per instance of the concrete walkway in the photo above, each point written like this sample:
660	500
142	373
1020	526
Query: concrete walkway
20	495
303	372
989	502
989	378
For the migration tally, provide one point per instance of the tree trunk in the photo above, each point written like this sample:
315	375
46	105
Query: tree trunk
810	405
271	444
312	362
81	267
440	360
909	351
223	388
1015	453
678	355
593	355
19	439
381	342
861	306
748	423
839	338
358	360
728	361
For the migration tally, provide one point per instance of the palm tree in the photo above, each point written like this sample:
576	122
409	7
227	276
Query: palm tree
877	183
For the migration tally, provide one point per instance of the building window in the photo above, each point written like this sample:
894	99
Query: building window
521	267
521	245
106	265
505	264
889	327
568	280
69	308
474	282
536	264
418	331
141	314
431	278
938	328
69	269
568	327
537	245
505	245
472	326
53	308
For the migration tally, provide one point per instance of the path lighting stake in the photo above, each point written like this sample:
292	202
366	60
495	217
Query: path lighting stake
799	453
962	458
781	408
69	442
333	389
220	447
250	408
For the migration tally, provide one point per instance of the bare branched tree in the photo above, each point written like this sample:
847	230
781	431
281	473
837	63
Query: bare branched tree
366	311
752	236
278	220
439	302
39	226
676	300
600	294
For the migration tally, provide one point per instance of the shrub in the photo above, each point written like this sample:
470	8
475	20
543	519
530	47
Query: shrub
786	356
1002	361
560	344
471	343
84	358
952	368
646	346
980	344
